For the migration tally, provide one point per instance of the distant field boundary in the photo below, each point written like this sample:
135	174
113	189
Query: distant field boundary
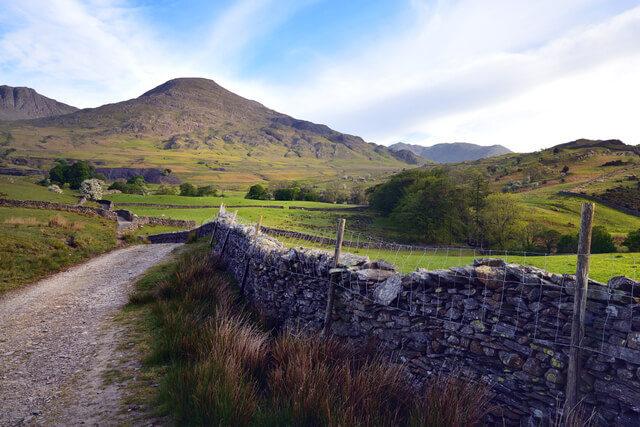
160	205
58	207
604	202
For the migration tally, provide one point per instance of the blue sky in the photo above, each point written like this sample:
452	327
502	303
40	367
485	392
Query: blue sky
524	74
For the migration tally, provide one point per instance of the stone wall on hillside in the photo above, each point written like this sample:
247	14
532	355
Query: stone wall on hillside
59	207
505	324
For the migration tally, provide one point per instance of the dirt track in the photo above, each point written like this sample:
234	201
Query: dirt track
58	338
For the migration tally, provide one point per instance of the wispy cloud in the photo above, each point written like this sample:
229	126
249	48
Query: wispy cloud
523	74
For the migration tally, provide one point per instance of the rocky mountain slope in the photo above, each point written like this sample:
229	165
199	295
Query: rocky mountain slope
19	103
195	113
203	133
453	152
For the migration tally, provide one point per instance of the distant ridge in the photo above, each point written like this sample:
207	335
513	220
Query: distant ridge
20	103
452	152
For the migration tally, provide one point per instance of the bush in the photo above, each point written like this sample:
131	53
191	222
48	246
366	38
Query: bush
167	190
633	241
92	188
55	189
256	192
601	241
207	190
189	190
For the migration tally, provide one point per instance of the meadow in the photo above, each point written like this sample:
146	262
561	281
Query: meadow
37	242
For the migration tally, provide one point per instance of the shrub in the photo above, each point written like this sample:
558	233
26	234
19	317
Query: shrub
633	241
55	189
166	190
92	188
189	190
207	190
256	192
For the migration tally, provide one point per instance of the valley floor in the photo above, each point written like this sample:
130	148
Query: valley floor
59	343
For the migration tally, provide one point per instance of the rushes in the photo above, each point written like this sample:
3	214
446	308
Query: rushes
224	369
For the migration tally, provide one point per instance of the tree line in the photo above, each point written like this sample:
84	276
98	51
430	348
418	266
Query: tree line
442	206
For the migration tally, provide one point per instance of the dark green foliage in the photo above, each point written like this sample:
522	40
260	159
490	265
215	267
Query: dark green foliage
565	169
166	172
207	190
71	174
296	193
128	188
189	190
100	176
626	197
434	205
549	238
601	241
286	193
45	182
167	190
256	192
137	180
385	197
633	241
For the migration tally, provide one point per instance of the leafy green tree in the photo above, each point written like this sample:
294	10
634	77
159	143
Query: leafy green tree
385	197
502	220
287	193
77	173
166	190
633	241
207	190
187	189
568	244
549	239
256	192
57	173
433	208
601	241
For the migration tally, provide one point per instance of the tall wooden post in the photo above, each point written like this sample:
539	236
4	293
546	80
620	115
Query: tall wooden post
215	225
579	306
331	291
258	225
246	267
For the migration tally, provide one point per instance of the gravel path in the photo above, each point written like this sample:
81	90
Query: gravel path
58	338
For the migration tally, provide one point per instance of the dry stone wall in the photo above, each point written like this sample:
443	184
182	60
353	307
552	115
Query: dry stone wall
506	324
59	207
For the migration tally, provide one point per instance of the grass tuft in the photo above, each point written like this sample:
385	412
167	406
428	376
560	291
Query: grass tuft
223	368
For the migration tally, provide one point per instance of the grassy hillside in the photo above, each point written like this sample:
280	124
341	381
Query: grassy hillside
37	242
203	133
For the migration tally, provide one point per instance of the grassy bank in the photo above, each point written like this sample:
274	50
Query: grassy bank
38	242
224	368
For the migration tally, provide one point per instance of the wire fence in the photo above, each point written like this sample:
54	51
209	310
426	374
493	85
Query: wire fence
528	296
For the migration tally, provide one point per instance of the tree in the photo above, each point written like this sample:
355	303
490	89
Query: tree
166	190
57	173
207	190
357	196
601	241
549	238
633	241
501	220
78	172
92	188
568	244
256	192
187	189
287	193
565	169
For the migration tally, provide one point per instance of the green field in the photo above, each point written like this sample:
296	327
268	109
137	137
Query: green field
25	188
37	242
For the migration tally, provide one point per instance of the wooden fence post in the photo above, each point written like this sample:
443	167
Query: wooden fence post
246	267
226	237
331	291
215	225
579	305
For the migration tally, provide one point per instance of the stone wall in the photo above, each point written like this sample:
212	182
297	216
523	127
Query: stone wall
181	236
598	200
506	324
58	207
139	221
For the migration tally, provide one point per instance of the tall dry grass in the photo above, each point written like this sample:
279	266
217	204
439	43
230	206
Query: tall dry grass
21	221
224	369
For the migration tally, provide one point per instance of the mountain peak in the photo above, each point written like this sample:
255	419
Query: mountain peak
20	103
184	84
452	152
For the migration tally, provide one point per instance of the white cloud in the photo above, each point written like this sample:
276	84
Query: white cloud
464	61
82	53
